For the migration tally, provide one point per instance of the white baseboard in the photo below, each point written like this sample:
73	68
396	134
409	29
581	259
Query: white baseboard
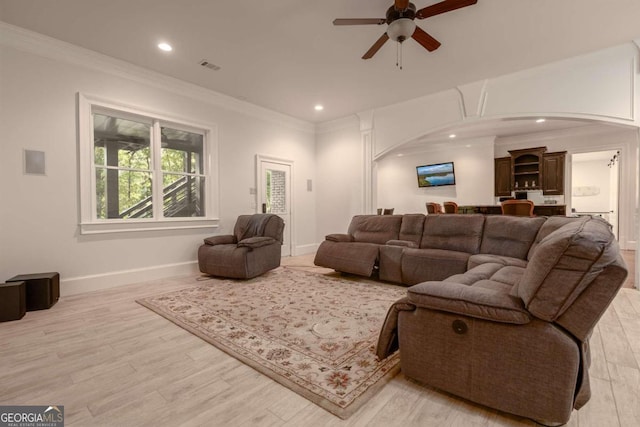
77	285
306	249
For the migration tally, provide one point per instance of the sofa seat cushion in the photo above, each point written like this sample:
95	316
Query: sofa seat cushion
509	275
482	302
564	264
478	259
420	265
490	276
481	272
256	242
509	236
354	257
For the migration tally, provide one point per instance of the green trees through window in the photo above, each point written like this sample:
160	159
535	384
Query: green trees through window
129	155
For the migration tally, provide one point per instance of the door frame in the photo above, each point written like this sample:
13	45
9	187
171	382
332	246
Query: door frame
619	184
260	158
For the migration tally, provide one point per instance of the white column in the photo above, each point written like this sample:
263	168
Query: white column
368	176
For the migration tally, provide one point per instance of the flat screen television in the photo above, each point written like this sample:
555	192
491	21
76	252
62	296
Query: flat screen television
436	175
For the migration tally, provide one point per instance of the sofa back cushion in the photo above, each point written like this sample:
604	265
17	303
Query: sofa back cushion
509	235
375	228
259	225
549	226
564	264
412	227
454	232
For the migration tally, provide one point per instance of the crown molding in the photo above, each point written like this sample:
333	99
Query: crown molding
347	122
48	47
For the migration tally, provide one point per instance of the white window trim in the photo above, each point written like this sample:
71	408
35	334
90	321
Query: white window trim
89	223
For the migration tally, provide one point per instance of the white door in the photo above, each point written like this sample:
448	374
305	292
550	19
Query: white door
274	194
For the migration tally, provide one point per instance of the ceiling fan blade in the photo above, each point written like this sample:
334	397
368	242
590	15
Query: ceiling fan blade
442	7
376	46
425	39
357	21
401	4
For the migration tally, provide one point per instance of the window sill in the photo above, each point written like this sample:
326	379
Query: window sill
129	226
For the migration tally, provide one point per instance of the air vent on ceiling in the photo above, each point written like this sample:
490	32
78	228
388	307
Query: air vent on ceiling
209	65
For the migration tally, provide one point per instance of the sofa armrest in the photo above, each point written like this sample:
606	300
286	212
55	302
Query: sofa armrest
339	237
481	303
403	243
225	239
256	242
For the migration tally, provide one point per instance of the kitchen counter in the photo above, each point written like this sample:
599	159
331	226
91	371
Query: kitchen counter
538	210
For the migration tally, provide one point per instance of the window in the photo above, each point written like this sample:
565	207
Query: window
140	171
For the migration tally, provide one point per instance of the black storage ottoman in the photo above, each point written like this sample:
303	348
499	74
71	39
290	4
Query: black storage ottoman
43	289
13	298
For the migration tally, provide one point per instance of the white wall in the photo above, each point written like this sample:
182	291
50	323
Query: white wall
339	162
39	215
397	185
590	184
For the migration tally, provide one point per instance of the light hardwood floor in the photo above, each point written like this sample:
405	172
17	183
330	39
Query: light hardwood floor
112	362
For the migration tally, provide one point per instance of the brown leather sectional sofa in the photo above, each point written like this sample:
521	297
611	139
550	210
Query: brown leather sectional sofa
501	308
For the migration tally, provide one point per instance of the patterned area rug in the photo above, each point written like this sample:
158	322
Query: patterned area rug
313	333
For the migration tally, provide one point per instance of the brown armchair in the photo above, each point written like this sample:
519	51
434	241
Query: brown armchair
253	249
450	207
517	207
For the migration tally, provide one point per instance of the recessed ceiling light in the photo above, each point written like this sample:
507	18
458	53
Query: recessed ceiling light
453	135
400	154
165	46
541	120
318	107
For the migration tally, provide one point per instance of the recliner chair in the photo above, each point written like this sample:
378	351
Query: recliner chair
253	249
510	337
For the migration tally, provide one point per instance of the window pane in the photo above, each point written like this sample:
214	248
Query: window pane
183	196
181	151
123	194
121	143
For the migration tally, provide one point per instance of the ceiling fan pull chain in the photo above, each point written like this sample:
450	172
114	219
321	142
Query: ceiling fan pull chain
399	55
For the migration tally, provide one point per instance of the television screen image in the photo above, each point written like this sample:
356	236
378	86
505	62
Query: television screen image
436	175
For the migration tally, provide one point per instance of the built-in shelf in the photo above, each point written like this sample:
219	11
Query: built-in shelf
534	167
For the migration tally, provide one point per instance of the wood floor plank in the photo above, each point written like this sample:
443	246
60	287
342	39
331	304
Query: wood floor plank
601	411
626	391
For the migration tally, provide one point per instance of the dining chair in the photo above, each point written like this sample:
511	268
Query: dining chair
450	207
517	207
433	208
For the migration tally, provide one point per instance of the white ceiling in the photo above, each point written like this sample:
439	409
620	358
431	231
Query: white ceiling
287	56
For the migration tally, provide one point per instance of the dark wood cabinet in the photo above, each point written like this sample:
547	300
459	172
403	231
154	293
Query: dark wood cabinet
553	173
530	169
502	170
527	168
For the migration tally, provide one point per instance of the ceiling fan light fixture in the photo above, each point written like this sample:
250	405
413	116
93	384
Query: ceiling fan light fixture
401	29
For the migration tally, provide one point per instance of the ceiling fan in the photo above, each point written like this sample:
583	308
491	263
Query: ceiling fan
401	25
